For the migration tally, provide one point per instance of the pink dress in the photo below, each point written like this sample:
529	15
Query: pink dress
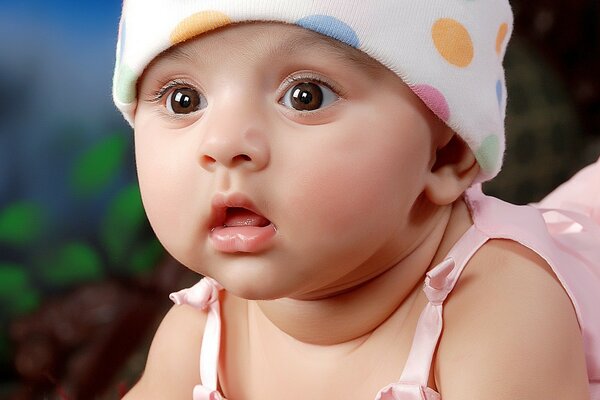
568	240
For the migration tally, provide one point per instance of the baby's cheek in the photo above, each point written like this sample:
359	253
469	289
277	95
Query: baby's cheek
156	200
342	197
163	192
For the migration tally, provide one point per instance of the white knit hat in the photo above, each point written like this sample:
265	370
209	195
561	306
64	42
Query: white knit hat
449	52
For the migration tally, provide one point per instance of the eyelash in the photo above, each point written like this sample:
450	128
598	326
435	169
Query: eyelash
158	95
304	77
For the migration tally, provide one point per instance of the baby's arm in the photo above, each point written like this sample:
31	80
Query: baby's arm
510	332
172	368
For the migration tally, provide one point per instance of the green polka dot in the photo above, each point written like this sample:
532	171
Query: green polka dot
488	153
125	80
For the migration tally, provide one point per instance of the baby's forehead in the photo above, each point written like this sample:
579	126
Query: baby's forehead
278	40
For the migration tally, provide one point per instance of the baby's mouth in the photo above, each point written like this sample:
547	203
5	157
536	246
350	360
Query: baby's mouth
238	228
240	217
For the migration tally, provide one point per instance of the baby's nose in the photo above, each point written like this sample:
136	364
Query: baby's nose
246	148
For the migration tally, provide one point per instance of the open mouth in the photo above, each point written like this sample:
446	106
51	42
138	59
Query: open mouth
238	227
239	216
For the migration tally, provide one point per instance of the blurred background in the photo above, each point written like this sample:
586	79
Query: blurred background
83	281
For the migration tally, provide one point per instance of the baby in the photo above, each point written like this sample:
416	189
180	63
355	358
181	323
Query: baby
319	162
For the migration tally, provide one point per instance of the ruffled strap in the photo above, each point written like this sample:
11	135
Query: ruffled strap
572	213
205	295
439	282
437	287
575	233
579	194
401	391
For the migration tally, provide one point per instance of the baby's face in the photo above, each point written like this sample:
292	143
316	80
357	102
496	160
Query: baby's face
278	162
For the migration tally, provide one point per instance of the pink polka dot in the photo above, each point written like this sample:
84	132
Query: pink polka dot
434	99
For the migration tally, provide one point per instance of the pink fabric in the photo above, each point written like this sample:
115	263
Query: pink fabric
407	391
581	193
567	240
570	245
203	295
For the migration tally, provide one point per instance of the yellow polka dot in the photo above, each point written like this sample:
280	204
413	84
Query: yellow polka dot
198	23
502	31
453	42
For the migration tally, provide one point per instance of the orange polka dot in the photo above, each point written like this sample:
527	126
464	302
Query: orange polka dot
198	23
453	42
502	31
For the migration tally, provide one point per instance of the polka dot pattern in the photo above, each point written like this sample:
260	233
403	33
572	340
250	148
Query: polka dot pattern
488	154
197	24
332	27
499	92
434	99
453	42
502	31
122	40
125	79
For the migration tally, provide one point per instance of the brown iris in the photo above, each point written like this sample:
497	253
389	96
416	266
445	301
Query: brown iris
184	101
306	96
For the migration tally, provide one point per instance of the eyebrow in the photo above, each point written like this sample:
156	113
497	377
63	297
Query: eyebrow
178	53
307	40
348	55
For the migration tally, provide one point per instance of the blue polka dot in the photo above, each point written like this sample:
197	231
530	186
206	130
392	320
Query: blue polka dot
330	26
499	92
122	39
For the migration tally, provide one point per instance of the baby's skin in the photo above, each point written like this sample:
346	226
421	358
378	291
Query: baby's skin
318	189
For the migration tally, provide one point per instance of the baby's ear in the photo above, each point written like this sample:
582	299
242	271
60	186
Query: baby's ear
453	170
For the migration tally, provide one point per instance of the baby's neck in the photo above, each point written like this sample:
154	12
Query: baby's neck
358	312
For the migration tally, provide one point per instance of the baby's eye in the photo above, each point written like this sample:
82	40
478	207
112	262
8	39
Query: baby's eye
308	96
185	100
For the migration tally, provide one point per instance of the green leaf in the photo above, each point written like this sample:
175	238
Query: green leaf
17	297
123	222
25	302
145	257
13	279
73	263
20	223
98	166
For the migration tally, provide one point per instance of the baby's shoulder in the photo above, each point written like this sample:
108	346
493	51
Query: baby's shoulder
172	367
510	329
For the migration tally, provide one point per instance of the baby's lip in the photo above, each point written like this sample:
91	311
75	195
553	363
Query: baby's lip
221	202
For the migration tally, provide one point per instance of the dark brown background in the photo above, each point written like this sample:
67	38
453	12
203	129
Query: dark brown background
553	83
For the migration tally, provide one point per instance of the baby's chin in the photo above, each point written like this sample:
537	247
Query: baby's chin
252	281
262	291
254	292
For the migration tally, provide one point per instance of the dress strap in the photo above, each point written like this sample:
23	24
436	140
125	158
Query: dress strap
205	295
439	282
